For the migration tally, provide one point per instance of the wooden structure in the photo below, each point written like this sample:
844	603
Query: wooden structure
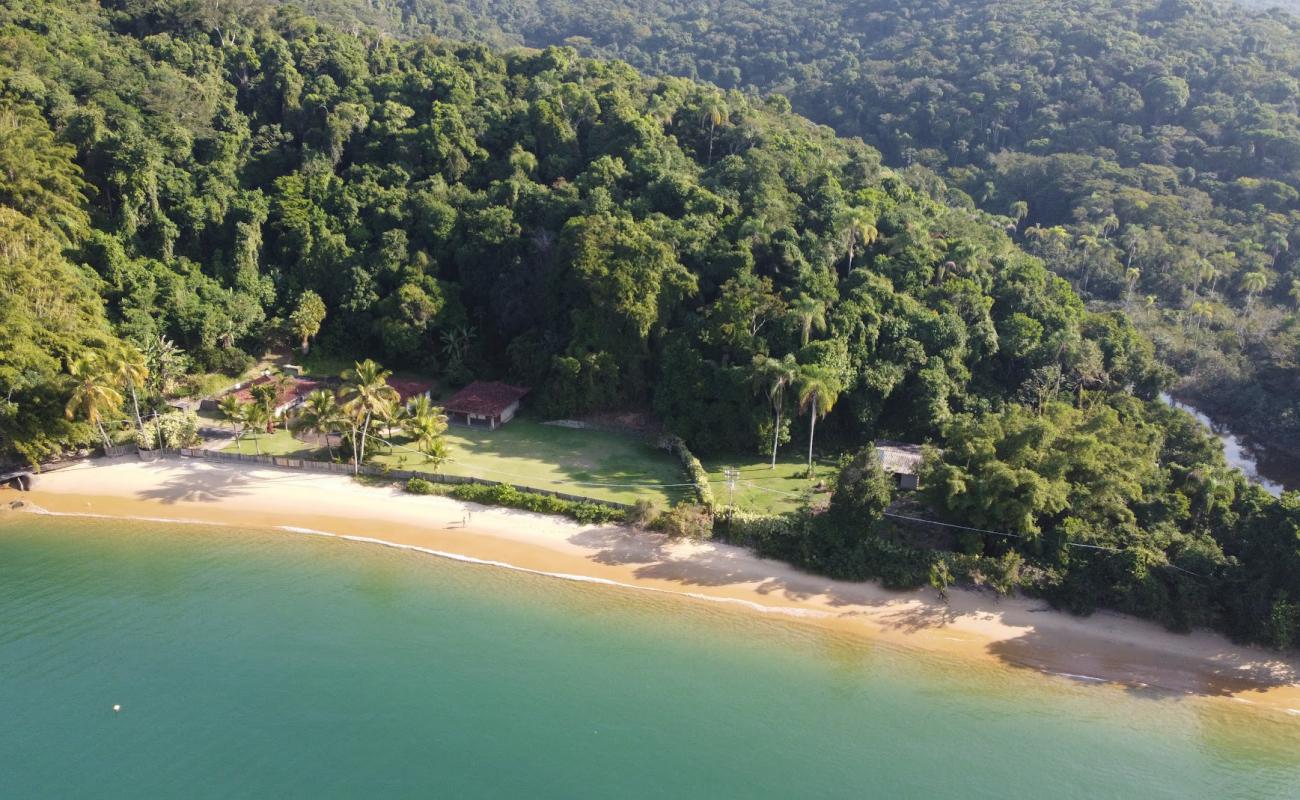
484	404
903	461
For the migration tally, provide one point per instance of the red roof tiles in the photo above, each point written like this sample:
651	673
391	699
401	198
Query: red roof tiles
484	398
294	388
407	389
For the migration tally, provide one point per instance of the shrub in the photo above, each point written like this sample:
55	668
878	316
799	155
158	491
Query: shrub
687	521
175	430
421	486
503	494
643	514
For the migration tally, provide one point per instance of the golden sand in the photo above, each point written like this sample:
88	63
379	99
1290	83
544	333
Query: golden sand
1015	631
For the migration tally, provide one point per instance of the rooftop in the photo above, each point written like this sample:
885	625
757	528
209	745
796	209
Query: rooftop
409	388
292	389
484	398
900	458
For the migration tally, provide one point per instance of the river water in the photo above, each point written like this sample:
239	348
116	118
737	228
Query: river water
1273	473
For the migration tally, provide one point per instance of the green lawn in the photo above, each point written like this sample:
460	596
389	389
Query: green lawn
527	453
761	489
280	443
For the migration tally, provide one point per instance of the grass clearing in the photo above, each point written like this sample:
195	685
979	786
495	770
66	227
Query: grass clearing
280	443
761	489
528	453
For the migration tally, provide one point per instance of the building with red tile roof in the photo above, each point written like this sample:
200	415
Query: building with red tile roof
410	388
484	404
289	392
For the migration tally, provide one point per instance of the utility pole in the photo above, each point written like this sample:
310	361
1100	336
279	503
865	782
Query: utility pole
731	474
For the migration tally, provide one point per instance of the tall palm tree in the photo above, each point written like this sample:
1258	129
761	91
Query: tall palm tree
1131	277
1253	283
1019	210
366	394
93	395
264	395
715	113
256	415
129	369
320	414
233	411
1202	312
819	389
811	313
859	227
425	424
773	376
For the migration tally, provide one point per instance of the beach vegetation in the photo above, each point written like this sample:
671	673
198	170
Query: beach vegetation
503	494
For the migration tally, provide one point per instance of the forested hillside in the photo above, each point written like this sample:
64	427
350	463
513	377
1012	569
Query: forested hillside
1147	149
189	176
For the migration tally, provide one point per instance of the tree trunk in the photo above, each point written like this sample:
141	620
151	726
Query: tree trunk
305	345
135	403
365	430
849	268
776	433
812	428
107	443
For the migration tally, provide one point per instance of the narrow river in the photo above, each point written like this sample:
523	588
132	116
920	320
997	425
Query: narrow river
1274	474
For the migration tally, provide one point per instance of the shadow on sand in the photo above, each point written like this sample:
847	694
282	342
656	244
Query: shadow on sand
1090	655
195	482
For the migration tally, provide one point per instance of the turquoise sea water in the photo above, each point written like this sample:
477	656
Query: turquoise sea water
263	664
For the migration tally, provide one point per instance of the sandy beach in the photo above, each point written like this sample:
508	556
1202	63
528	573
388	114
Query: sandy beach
1020	632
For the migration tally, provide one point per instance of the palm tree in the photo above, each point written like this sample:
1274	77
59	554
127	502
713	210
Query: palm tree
1295	292
233	411
320	414
1208	273
425	424
1131	276
811	313
264	395
715	113
258	416
819	389
129	369
772	376
366	394
93	395
859	226
1202	312
1019	210
1253	283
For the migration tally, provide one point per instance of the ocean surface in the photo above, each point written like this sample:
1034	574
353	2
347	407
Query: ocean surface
268	664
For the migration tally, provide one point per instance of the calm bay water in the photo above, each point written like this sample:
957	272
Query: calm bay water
274	665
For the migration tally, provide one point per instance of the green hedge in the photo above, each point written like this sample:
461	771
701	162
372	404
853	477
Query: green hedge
421	486
503	494
695	470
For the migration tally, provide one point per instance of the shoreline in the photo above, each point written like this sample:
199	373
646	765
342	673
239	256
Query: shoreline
1015	631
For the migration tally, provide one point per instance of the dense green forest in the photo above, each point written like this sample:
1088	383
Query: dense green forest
1148	150
198	179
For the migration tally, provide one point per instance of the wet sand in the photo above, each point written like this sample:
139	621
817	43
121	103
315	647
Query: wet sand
1020	632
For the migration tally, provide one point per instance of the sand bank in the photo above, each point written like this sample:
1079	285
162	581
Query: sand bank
1017	631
